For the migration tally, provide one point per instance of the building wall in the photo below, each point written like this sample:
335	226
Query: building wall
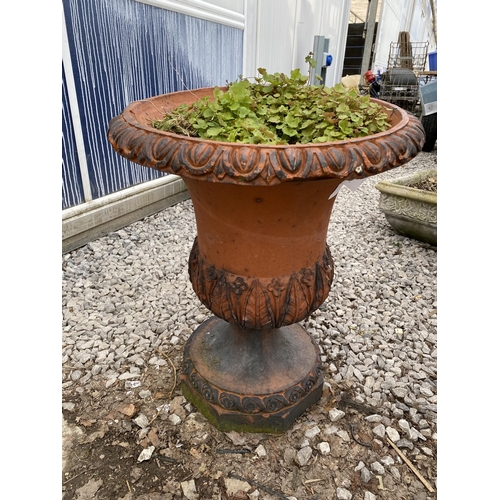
414	16
280	34
119	51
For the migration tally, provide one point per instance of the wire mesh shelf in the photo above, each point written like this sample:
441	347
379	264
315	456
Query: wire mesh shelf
411	55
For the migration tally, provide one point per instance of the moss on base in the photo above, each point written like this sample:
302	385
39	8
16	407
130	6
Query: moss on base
269	423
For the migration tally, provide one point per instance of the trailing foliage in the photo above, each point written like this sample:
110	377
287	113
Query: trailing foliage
278	109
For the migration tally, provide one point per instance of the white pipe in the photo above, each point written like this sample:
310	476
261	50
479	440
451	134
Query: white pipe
296	18
202	10
250	39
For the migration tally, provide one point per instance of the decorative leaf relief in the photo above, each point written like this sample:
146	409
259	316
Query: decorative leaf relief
143	148
272	160
177	163
374	157
317	289
118	130
234	290
201	155
261	303
220	301
322	160
291	159
307	277
219	164
393	153
161	152
358	158
405	148
337	159
296	305
245	159
268	174
166	152
258	310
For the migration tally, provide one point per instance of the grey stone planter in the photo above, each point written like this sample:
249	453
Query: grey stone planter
411	212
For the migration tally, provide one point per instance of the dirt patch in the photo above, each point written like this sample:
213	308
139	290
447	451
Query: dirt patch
429	184
141	440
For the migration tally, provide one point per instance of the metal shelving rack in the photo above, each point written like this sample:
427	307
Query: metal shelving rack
404	90
410	55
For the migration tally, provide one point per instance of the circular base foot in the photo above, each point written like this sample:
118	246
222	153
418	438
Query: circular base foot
251	380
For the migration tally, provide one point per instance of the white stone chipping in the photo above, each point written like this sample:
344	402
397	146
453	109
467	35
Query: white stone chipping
127	295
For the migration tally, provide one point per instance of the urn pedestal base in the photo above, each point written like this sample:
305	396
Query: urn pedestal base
251	380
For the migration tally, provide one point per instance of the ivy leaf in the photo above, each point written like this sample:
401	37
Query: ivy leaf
292	121
321	138
217	92
242	111
310	60
342	108
344	126
307	123
274	119
208	113
289	131
200	124
214	131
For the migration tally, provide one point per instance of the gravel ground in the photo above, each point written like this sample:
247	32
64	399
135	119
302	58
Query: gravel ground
127	297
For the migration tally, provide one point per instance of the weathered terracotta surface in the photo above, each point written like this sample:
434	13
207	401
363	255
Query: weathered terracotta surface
254	302
260	261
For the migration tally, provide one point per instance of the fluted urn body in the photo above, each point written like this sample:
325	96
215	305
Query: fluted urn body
260	261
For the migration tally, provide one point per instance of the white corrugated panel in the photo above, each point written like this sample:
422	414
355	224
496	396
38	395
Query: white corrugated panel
391	18
280	34
328	18
421	24
269	36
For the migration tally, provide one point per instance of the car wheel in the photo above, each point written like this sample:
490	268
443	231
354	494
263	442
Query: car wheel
429	123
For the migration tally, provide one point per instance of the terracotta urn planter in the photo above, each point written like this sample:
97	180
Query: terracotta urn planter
260	261
409	210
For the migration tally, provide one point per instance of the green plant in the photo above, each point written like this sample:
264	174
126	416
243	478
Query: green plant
278	109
